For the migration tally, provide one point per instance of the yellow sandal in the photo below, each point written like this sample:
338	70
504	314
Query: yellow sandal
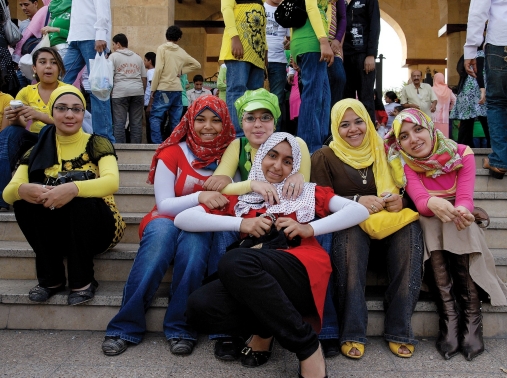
395	347
347	347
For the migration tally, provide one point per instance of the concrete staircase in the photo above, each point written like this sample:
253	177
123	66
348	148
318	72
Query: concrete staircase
134	199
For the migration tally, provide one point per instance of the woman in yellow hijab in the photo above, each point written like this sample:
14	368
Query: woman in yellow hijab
63	200
355	166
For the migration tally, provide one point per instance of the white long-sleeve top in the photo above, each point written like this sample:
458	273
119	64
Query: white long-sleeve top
345	214
90	20
481	11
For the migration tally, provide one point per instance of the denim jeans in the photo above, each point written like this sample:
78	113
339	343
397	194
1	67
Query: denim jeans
330	321
404	254
313	123
78	55
162	243
14	142
240	77
359	81
337	80
496	102
164	101
133	106
23	81
277	76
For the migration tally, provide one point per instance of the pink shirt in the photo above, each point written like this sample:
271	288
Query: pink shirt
461	182
33	29
441	114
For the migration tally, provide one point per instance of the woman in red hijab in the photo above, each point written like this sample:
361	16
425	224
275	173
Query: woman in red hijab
180	167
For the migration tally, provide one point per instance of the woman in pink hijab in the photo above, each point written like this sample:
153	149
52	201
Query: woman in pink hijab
446	101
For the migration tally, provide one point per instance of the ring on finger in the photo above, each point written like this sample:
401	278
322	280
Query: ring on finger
292	185
51	207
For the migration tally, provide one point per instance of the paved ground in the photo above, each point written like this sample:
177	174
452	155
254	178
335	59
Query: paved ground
78	354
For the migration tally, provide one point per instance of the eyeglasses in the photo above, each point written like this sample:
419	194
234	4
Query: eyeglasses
65	109
265	118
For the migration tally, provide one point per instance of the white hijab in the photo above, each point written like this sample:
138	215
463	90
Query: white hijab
304	205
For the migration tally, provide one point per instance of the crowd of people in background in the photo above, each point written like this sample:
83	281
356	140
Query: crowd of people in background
294	148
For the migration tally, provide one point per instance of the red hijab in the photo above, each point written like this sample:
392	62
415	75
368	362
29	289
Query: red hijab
206	152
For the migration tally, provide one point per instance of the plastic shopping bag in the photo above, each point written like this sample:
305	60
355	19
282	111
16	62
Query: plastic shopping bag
101	77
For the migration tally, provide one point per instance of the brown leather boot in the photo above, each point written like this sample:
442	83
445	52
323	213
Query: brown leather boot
471	341
447	341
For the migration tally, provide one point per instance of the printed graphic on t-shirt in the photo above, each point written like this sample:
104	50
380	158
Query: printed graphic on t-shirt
357	35
358	4
271	25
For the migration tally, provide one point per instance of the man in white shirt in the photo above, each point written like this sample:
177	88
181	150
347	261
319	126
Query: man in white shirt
198	91
419	95
495	12
276	37
90	28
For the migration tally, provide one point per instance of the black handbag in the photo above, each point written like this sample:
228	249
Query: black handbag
65	177
274	239
291	14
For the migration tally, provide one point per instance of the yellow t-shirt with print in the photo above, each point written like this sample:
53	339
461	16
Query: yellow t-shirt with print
30	96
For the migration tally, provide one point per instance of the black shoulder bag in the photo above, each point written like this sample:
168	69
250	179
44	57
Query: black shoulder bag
291	14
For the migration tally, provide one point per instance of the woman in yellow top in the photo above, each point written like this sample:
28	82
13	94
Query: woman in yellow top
5	100
15	140
243	50
63	200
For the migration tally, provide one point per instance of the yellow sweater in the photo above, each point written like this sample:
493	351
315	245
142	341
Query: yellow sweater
72	147
230	160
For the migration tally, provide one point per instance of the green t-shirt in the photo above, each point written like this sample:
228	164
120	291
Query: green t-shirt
304	39
62	21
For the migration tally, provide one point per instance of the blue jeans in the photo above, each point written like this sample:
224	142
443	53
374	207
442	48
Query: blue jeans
23	81
78	55
330	321
404	254
14	142
240	77
277	76
496	102
313	123
337	80
162	243
164	101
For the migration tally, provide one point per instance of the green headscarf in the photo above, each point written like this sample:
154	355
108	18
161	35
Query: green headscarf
257	99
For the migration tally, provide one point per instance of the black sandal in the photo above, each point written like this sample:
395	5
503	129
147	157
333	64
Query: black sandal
42	294
251	358
82	296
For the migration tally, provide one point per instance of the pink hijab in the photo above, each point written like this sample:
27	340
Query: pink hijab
441	89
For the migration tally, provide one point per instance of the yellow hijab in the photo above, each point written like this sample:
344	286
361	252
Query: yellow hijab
371	151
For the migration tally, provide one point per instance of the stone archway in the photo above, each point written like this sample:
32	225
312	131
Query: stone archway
399	31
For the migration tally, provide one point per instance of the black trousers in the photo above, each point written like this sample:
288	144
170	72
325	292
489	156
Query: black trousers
262	292
466	131
79	230
360	82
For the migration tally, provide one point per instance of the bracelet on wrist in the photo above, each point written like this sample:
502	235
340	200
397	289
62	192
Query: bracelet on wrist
356	198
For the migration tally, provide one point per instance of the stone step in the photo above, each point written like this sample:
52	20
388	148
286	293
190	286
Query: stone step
18	262
485	183
493	202
135	199
135	153
496	233
18	312
134	175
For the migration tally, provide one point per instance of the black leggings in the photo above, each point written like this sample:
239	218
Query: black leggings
262	292
79	230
